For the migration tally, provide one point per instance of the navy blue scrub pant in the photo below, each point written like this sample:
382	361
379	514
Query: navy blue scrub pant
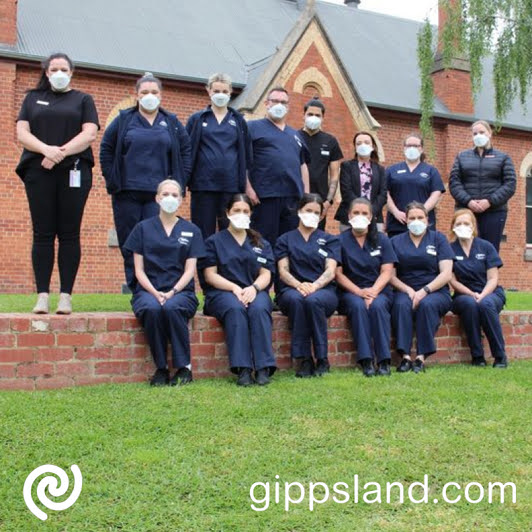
166	323
207	209
491	226
427	318
248	331
129	208
371	328
273	217
308	319
485	315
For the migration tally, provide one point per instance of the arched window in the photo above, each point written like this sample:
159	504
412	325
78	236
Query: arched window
528	176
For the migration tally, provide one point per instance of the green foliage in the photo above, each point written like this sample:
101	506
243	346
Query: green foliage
184	459
478	29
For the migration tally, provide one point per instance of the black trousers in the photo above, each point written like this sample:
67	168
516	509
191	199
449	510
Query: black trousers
56	211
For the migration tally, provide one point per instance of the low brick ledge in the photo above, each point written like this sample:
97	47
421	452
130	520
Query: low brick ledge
38	352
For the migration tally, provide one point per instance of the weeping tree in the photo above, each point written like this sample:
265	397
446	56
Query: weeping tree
477	29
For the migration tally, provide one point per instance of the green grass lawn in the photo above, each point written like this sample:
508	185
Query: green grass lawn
185	459
119	302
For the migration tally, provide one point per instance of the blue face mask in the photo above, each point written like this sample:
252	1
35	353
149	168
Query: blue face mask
364	150
278	111
417	227
412	154
220	99
170	204
480	140
150	102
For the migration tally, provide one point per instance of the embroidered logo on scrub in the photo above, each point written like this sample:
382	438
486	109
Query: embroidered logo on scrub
424	174
257	250
480	256
431	250
321	241
231	122
184	241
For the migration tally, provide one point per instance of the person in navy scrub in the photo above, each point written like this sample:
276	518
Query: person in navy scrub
365	269
423	271
411	180
165	250
478	298
306	291
220	153
142	146
237	272
362	177
483	179
278	174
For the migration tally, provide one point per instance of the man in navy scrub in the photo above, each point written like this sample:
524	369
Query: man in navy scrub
325	156
278	174
220	152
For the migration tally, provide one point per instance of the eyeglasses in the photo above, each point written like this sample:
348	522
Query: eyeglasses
274	101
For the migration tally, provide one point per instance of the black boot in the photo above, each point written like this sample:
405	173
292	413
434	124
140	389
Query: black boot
244	377
160	378
306	368
322	367
367	367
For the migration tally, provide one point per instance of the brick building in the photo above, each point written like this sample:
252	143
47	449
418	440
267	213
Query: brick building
363	66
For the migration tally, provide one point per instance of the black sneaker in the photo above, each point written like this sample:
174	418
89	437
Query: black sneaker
262	377
306	368
322	367
418	366
367	367
160	378
405	366
182	376
478	361
501	362
244	377
384	369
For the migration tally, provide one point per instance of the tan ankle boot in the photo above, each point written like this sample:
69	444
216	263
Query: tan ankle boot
42	306
65	304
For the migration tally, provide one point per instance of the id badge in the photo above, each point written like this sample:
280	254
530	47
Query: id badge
75	179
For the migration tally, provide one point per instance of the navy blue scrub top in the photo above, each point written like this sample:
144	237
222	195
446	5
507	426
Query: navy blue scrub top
275	170
239	264
417	267
165	256
216	168
146	153
362	265
405	186
307	259
472	271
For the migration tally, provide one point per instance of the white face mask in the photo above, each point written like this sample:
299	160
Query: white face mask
149	102
312	122
480	140
412	154
240	221
220	99
417	227
463	231
364	150
309	219
59	80
359	222
170	204
278	111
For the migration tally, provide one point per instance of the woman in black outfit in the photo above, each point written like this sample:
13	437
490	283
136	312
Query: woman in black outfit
56	125
362	177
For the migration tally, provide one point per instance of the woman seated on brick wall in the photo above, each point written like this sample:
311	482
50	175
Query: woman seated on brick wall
142	146
56	125
423	271
236	274
366	267
478	299
306	290
165	249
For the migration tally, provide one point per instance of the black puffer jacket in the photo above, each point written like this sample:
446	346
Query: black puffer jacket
490	177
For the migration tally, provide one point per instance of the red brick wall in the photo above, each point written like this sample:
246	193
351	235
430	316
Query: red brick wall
101	266
38	352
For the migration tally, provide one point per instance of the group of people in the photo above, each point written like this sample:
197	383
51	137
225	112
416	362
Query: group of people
266	188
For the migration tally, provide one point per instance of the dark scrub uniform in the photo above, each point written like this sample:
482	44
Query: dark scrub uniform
405	186
164	263
371	327
472	272
56	205
219	152
307	315
417	267
275	175
248	331
324	149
